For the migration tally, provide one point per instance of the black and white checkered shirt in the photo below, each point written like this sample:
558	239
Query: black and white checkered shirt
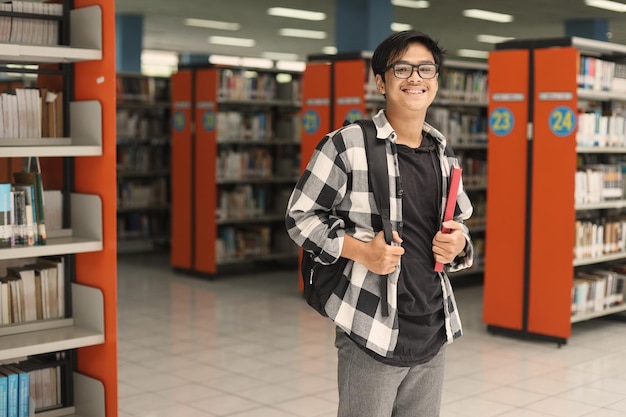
332	198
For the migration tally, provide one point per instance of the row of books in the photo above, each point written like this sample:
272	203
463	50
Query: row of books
22	214
598	130
253	85
594	238
243	242
31	113
152	194
249	163
138	89
29	30
243	202
143	159
236	126
33	292
474	169
31	385
143	225
142	124
457	126
601	75
597	290
598	183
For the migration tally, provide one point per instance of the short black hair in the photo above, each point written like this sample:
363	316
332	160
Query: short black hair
397	43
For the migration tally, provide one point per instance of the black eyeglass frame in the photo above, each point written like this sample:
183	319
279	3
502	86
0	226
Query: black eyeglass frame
413	69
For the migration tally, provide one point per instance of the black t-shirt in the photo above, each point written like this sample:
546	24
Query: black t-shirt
420	299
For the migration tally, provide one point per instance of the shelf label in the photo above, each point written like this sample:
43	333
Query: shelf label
354	115
313	102
179	121
348	101
556	96
311	121
208	120
507	97
562	121
501	121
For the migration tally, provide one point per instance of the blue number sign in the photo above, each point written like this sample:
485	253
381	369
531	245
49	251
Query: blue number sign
179	121
208	120
562	121
311	121
501	121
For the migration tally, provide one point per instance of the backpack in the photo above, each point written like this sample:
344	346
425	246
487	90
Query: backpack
321	280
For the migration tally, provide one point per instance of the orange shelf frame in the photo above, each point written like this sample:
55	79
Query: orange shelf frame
528	278
95	80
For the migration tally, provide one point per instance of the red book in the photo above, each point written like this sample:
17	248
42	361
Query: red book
455	179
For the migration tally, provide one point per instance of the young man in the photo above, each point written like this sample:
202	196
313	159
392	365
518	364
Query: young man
388	365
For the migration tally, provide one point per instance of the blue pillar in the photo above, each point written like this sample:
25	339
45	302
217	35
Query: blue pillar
190	59
360	25
596	29
128	42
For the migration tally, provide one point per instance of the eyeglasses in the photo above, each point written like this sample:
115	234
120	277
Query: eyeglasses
405	70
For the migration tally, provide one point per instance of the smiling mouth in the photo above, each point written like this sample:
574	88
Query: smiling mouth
415	91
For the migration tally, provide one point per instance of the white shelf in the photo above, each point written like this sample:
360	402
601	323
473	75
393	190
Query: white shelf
586	94
601	149
603	205
85	235
600	259
596	314
85	140
86	329
85	42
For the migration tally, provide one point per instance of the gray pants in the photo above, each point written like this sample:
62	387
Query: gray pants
368	388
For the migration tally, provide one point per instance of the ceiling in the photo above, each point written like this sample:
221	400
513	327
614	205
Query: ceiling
164	28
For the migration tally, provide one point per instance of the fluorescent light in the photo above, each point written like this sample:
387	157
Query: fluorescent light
472	53
256	63
154	57
296	13
290	65
225	60
329	50
280	56
607	5
212	24
492	38
413	4
399	27
487	15
301	33
226	40
283	77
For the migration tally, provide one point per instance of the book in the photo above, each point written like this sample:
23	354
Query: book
12	391
6	227
455	179
30	210
4	395
34	179
23	390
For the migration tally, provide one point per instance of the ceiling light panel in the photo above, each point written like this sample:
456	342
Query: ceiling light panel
413	4
280	56
493	39
296	13
607	5
472	53
399	27
487	15
212	24
301	33
226	40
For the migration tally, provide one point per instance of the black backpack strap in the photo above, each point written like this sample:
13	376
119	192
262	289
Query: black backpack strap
379	179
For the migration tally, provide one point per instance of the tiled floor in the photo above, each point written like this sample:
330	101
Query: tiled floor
248	346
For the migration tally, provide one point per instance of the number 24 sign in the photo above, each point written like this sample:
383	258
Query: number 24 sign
562	121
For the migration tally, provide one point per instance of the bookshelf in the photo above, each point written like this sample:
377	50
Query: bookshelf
235	141
143	162
81	163
538	100
342	87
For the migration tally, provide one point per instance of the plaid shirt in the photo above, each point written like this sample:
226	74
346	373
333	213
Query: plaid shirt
332	198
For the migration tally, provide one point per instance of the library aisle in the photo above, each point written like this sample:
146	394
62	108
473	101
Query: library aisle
248	346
